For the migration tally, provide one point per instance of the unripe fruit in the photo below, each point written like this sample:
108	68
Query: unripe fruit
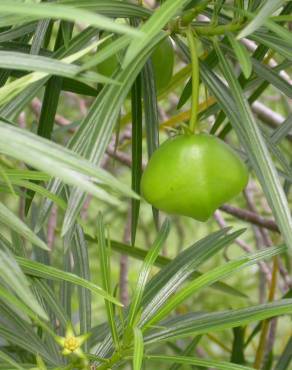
192	175
162	59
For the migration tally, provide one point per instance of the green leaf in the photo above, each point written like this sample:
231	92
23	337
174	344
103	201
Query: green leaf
286	357
138	349
237	355
198	361
152	27
24	174
18	339
272	77
48	272
14	88
242	55
283	130
81	267
207	279
161	261
266	11
136	104
37	63
112	8
58	161
145	271
14	278
166	282
9	360
151	115
184	326
18	31
52	303
68	13
9	219
104	258
100	122
187	352
250	136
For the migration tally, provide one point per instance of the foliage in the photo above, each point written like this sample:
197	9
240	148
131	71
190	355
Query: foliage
62	303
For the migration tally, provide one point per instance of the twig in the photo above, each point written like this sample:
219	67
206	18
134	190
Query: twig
259	243
251	217
266	114
267	241
59	119
271	339
252	46
262	265
265	324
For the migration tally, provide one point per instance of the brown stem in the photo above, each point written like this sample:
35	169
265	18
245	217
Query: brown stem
251	217
265	324
262	265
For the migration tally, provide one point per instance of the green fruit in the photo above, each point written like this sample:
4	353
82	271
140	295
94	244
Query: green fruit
192	175
162	59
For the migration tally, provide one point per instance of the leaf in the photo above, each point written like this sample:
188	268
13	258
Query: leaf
138	349
14	88
166	282
237	355
100	122
79	249
184	326
112	8
286	357
23	97
43	27
242	55
145	271
198	361
283	130
266	11
14	278
9	360
48	272
52	303
104	257
252	140
153	26
58	161
37	63
18	31
187	352
151	115
18	339
68	13
9	219
272	77
207	279
150	108
137	118
50	101
162	261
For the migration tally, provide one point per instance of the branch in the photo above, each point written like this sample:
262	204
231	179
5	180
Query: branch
251	217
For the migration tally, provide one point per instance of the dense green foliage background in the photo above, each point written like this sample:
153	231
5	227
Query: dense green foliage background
76	240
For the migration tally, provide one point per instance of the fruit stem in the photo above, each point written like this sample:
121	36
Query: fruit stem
195	79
